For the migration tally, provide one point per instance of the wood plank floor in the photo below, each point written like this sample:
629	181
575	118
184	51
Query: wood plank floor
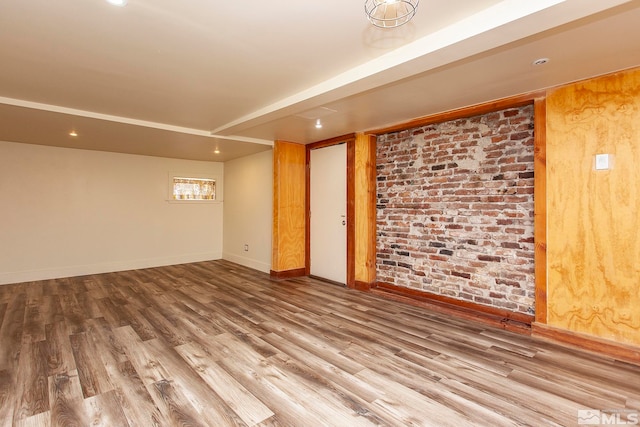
217	344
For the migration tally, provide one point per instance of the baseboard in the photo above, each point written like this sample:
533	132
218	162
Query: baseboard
505	319
109	267
288	274
600	346
363	286
247	262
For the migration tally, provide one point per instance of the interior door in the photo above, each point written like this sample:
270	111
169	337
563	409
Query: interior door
328	204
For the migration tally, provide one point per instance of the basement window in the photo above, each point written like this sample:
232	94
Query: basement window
192	188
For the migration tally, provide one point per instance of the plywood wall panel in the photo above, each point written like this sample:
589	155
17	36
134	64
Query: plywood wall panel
594	216
289	217
365	208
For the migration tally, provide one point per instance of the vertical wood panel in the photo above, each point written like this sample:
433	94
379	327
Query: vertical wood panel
289	220
593	221
540	208
365	209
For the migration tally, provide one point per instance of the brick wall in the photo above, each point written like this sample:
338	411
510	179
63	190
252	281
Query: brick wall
455	209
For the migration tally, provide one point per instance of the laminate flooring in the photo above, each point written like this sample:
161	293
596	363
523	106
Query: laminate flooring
217	344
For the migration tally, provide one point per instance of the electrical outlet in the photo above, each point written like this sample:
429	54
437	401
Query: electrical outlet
246	248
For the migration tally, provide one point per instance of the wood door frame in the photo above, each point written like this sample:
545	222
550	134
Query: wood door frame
540	207
350	140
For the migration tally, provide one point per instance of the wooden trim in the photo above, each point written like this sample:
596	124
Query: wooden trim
288	274
363	286
473	110
307	212
351	212
332	141
457	305
624	352
540	207
373	210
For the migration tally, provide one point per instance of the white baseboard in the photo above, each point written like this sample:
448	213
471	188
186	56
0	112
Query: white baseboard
248	262
109	267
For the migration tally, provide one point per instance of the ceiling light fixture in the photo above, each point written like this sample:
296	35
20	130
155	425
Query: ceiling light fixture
318	124
118	2
73	133
390	13
216	151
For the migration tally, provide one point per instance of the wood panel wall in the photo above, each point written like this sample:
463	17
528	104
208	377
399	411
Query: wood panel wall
593	239
289	213
365	210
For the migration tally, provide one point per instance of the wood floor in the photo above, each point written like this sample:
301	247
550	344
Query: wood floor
216	344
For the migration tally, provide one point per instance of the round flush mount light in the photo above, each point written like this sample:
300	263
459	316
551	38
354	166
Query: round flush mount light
318	124
73	133
117	2
540	61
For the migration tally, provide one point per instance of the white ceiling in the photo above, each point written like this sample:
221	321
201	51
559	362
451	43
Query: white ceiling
182	78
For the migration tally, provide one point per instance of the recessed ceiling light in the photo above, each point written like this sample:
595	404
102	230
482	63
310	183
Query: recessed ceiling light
540	61
118	2
318	124
73	133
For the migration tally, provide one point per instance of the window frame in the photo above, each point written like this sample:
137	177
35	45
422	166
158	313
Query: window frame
189	175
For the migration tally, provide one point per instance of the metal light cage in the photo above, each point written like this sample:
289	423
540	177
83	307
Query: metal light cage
390	13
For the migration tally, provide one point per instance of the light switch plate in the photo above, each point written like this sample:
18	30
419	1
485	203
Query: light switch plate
602	162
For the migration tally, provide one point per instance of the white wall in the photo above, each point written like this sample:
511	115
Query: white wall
67	212
248	210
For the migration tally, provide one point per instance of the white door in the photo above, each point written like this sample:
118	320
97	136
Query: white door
328	201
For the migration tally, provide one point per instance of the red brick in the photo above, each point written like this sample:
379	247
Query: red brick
434	178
